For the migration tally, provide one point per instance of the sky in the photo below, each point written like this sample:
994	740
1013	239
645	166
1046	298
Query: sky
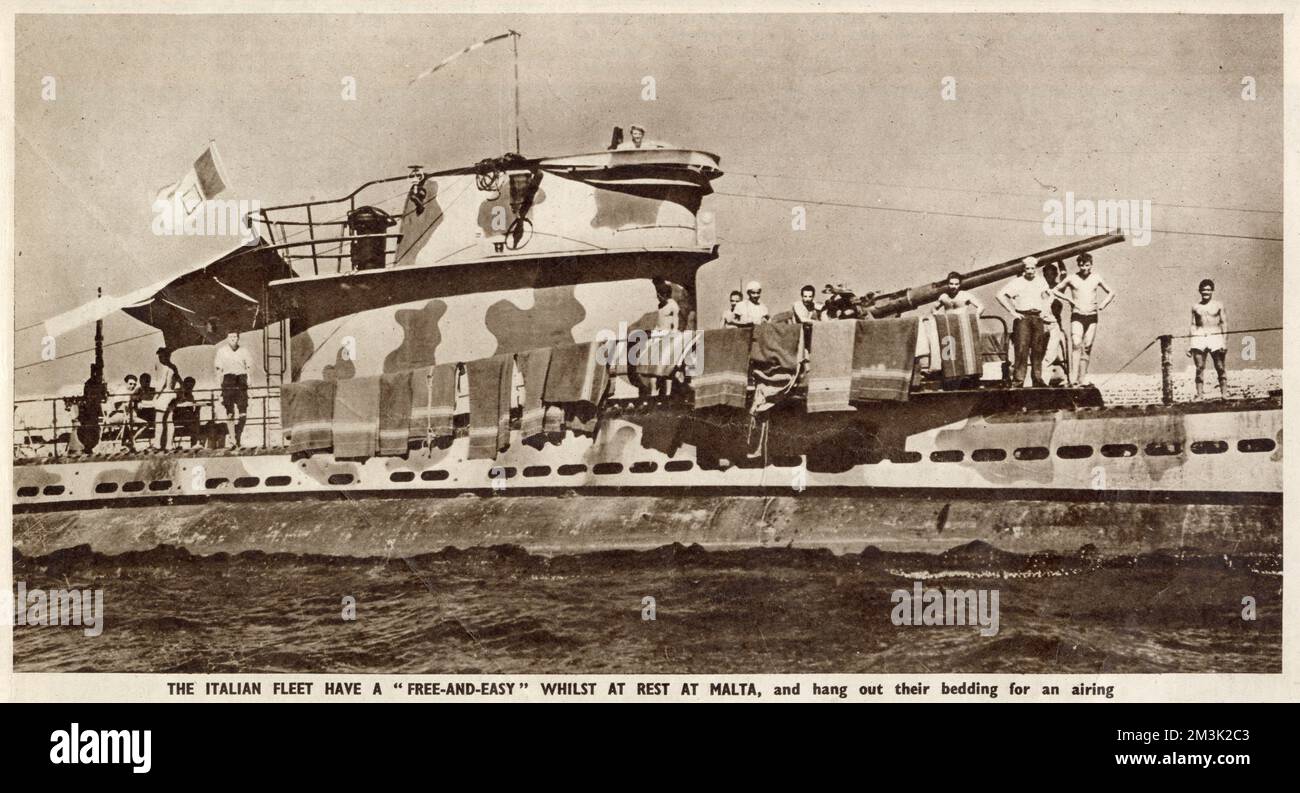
811	111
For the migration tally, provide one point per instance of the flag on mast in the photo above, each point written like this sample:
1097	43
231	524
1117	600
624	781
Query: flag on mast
468	49
205	179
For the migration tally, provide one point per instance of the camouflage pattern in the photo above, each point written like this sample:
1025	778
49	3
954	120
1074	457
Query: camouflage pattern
1233	449
579	242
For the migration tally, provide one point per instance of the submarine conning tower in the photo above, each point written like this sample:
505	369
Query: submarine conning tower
505	255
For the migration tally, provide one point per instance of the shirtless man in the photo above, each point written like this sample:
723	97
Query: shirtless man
1081	290
1209	332
955	298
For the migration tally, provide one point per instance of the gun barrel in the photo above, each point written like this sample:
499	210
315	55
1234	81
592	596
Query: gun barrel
896	303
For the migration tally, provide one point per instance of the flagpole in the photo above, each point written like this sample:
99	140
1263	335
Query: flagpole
99	338
514	40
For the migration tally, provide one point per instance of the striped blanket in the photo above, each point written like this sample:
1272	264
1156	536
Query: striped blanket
490	384
307	413
959	343
724	359
394	413
356	417
830	365
883	354
533	365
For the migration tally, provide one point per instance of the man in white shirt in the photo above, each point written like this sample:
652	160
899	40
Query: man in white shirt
233	365
751	311
1029	300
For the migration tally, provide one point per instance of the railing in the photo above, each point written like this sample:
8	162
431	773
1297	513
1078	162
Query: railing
63	433
114	430
297	232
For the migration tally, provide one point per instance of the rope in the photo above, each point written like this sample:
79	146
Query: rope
1131	360
816	178
850	205
1184	336
1230	332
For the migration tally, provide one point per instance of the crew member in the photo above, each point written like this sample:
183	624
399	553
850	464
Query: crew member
729	317
1209	332
232	365
167	380
807	309
1081	290
1029	300
668	318
123	412
751	312
954	298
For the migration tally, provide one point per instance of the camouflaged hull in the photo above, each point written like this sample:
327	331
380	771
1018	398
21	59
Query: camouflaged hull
1123	479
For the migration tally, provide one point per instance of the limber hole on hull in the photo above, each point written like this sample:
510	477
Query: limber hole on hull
1074	452
1031	453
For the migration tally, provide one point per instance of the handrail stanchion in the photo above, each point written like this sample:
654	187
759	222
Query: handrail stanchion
1166	369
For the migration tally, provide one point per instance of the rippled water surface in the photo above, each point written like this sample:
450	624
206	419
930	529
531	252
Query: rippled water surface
503	610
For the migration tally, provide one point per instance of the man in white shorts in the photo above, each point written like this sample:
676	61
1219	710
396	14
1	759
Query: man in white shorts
1209	332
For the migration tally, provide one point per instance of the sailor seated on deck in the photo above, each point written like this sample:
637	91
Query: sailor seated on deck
121	420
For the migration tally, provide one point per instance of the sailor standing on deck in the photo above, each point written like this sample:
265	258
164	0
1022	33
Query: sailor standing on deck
1209	332
233	365
1029	299
1081	290
167	380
